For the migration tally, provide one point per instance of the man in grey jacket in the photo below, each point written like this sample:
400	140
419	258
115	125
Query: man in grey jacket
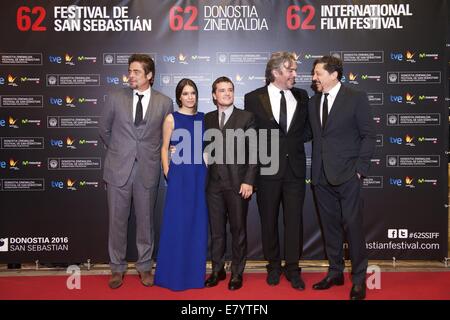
131	129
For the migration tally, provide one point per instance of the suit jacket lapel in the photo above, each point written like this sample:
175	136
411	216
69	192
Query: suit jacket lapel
338	101
151	107
128	103
231	121
265	101
296	111
151	104
317	110
215	121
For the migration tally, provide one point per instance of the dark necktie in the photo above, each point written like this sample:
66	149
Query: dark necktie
325	110
222	121
283	112
139	110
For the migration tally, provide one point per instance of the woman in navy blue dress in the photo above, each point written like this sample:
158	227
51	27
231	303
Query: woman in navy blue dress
181	259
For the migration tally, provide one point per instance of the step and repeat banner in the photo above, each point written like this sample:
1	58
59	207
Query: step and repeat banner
60	59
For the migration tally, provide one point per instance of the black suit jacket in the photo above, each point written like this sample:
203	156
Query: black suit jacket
346	144
236	173
291	147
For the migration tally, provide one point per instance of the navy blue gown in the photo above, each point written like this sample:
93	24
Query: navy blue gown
181	259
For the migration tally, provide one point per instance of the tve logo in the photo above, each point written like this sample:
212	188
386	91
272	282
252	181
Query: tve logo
395	140
57	184
396	56
2	80
395	182
56	101
396	99
55	59
3	164
56	143
170	59
2	123
112	80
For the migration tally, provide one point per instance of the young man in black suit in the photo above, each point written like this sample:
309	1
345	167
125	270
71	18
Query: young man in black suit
230	180
343	144
281	111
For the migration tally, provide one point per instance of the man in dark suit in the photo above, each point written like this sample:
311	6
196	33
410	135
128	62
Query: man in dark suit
131	129
343	144
230	181
281	112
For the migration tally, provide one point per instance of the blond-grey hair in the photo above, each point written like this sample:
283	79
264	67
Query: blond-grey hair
277	61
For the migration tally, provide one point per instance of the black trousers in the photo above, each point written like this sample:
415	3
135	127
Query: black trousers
290	193
226	204
340	211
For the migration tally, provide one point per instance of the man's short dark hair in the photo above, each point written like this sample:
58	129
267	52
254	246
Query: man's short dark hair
147	63
219	80
331	64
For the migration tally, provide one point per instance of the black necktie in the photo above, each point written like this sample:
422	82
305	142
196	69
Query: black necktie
139	112
325	110
283	112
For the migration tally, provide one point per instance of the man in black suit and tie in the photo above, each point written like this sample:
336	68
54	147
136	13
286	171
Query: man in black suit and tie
343	144
281	111
230	181
131	129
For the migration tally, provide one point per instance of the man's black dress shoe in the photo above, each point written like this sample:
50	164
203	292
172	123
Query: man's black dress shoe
295	279
116	280
235	282
328	282
273	277
146	278
215	277
358	292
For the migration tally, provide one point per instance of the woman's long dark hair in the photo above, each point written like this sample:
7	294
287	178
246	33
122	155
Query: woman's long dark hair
179	89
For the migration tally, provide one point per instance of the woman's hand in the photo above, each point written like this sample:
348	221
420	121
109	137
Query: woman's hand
246	190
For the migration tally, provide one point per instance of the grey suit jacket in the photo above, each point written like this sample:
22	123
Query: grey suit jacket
123	143
346	144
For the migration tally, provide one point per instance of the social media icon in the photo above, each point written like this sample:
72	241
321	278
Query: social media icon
3	244
403	233
392	233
